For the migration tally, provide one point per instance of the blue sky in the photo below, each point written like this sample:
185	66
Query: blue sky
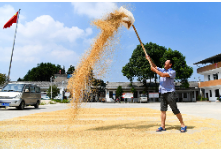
60	32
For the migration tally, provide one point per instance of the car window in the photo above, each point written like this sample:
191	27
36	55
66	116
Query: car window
27	87
13	88
37	89
32	89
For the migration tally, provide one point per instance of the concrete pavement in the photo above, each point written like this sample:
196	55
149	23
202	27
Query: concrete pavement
198	109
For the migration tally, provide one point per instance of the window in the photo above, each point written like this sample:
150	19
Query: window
208	77
210	93
37	90
32	89
193	94
215	76
217	93
185	95
135	95
110	94
27	87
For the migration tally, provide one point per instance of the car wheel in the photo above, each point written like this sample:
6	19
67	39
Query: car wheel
37	105
22	105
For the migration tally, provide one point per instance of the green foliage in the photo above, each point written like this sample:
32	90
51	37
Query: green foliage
71	69
19	79
63	101
139	67
183	71
42	103
201	99
184	83
52	102
3	78
119	92
133	90
100	84
55	91
42	72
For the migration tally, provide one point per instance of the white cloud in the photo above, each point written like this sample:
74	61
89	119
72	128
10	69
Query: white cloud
43	39
46	29
93	9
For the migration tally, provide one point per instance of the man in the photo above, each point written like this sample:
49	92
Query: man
167	90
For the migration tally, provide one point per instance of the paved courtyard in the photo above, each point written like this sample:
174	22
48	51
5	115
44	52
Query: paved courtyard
110	126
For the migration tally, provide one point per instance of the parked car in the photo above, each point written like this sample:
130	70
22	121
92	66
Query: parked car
46	98
58	97
20	95
143	98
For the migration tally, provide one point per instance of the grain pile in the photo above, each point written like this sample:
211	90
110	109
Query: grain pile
108	128
103	45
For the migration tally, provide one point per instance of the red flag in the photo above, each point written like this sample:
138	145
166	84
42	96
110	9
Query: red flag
11	21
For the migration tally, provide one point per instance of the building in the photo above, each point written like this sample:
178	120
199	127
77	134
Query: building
109	91
212	77
182	94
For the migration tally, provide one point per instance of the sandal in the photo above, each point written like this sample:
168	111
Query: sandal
160	129
183	129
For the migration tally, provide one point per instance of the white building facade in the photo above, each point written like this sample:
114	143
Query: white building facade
212	77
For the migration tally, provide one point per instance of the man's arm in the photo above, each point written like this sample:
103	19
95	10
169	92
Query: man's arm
160	73
151	61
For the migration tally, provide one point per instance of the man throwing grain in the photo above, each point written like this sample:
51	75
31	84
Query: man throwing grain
167	90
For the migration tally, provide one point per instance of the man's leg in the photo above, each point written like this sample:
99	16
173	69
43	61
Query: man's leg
163	119
163	109
172	102
179	116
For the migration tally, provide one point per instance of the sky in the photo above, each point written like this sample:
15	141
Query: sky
61	32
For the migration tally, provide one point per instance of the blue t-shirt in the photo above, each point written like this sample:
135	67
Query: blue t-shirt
167	83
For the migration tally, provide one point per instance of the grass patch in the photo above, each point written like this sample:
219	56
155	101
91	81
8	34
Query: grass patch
42	103
63	101
52	102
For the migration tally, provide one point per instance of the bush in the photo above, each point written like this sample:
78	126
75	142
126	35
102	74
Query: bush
52	102
42	103
63	101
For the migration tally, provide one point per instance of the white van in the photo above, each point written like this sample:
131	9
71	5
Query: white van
143	98
20	95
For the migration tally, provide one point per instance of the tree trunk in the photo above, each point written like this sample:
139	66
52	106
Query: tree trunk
156	83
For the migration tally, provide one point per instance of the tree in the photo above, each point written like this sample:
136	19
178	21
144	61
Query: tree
98	83
183	71
19	79
55	91
139	67
70	70
119	91
3	78
42	72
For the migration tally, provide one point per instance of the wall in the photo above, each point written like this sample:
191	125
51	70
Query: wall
213	98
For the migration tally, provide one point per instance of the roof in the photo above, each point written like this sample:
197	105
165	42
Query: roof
126	85
110	85
42	84
213	59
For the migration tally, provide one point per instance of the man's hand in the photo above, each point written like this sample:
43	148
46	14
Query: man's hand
151	62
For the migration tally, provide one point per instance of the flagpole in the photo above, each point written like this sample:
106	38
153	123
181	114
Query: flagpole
13	47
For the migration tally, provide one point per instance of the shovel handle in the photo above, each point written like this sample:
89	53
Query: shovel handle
142	45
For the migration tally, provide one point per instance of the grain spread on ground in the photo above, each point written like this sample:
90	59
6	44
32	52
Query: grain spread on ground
108	128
